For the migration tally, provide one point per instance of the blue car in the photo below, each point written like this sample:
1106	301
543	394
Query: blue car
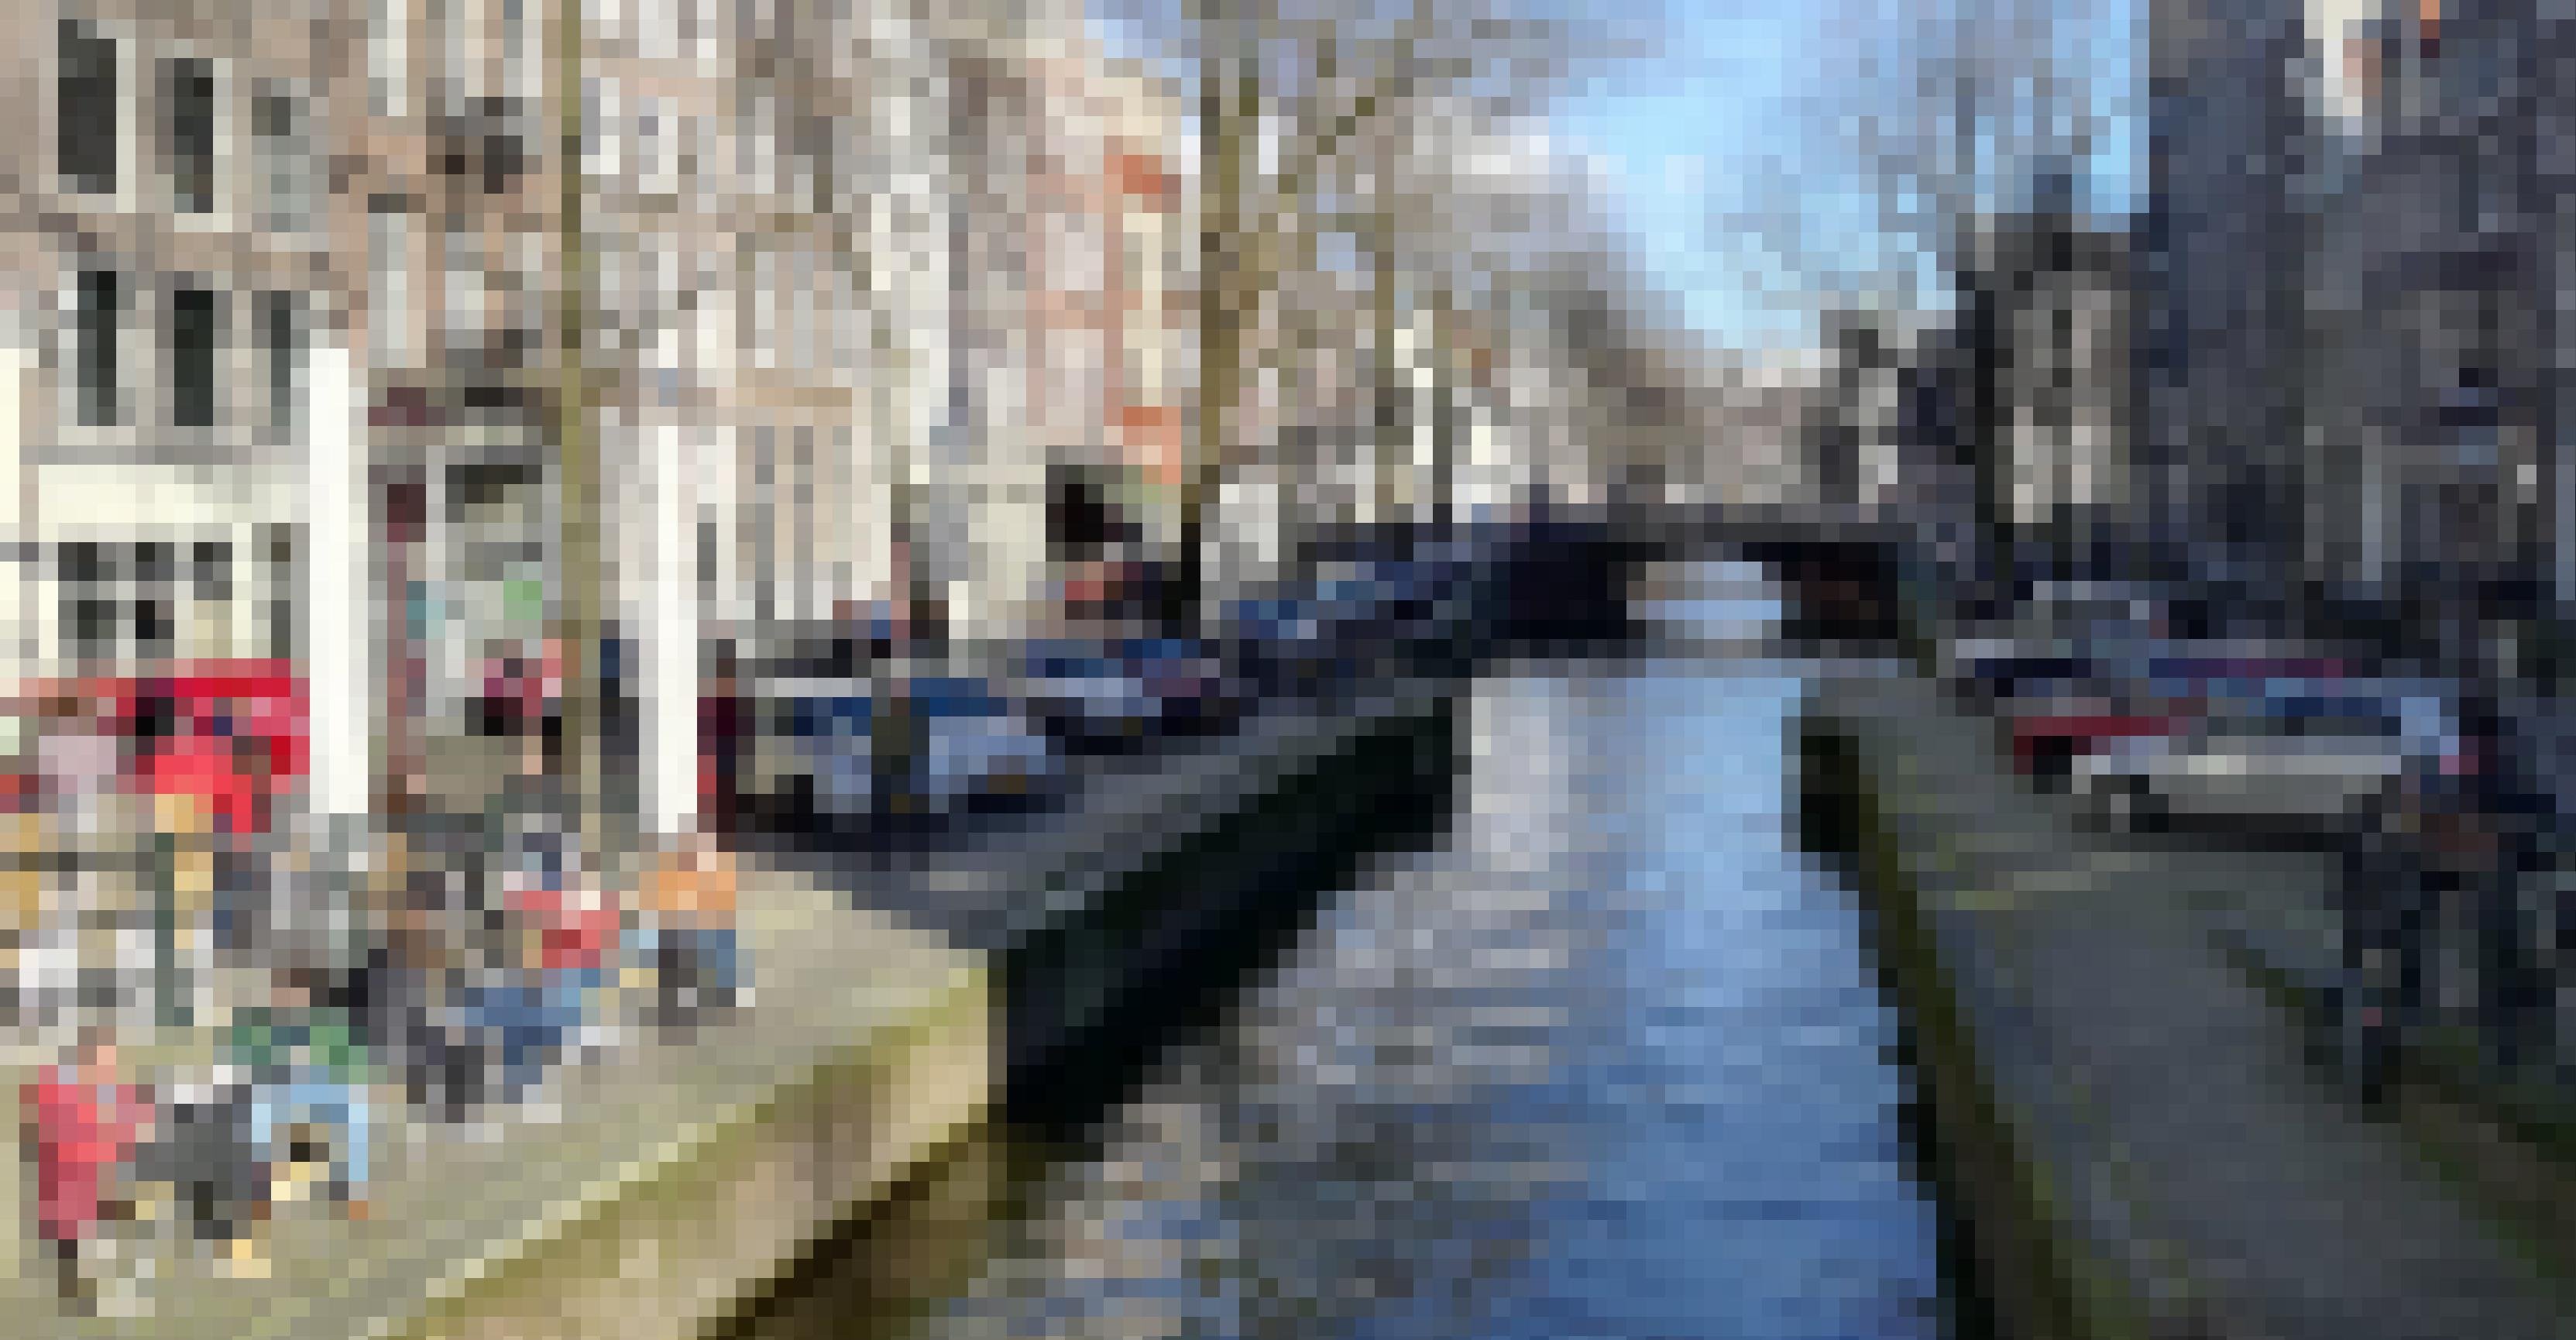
1327	637
975	745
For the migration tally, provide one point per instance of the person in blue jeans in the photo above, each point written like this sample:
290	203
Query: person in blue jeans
696	962
512	1021
306	1064
568	996
323	1100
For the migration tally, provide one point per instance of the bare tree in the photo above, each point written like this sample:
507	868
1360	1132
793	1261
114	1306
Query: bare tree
1304	112
1946	108
1949	114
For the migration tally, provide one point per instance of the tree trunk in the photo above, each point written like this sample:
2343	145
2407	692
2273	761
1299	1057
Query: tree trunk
1388	400
1225	121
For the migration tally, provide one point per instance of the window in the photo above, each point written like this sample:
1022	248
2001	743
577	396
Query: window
758	158
195	320
188	134
83	564
281	349
504	148
154	629
1148	379
389	305
467	275
655	157
94	338
765	339
285	175
156	565
90	616
210	571
85	111
92	623
1140	274
281	603
1081	257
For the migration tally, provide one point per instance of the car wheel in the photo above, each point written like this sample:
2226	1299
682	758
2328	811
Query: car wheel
2052	767
2144	809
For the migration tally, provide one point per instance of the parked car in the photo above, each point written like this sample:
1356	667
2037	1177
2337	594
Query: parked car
820	761
1116	694
1356	611
2301	766
2051	732
1995	670
2062	697
1111	589
1278	644
822	733
977	745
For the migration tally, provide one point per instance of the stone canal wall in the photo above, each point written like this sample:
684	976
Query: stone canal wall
2014	1273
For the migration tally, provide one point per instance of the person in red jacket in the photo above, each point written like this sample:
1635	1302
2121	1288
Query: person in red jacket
82	1126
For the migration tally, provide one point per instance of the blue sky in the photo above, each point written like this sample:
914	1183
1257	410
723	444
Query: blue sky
1718	116
1725	120
1726	126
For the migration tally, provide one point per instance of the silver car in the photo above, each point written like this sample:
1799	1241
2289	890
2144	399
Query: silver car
2267	772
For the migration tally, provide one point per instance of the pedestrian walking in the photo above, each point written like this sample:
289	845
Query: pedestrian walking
2511	820
2387	903
307	1066
687	937
205	1154
82	1127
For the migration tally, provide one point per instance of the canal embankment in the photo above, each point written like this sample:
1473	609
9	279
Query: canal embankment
640	1193
2018	1276
2125	1113
1106	928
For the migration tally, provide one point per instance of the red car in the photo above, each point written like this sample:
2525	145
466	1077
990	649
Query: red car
2048	731
2046	744
2051	729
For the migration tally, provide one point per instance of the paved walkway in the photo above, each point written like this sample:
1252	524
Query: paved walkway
634	1195
2160	1095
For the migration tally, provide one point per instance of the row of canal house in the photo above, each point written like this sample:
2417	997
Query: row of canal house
304	320
2439	370
2355	250
2331	349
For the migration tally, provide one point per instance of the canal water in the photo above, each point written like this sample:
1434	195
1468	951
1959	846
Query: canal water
1607	1058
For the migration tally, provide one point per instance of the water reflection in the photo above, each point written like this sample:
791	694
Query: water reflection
1606	1061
